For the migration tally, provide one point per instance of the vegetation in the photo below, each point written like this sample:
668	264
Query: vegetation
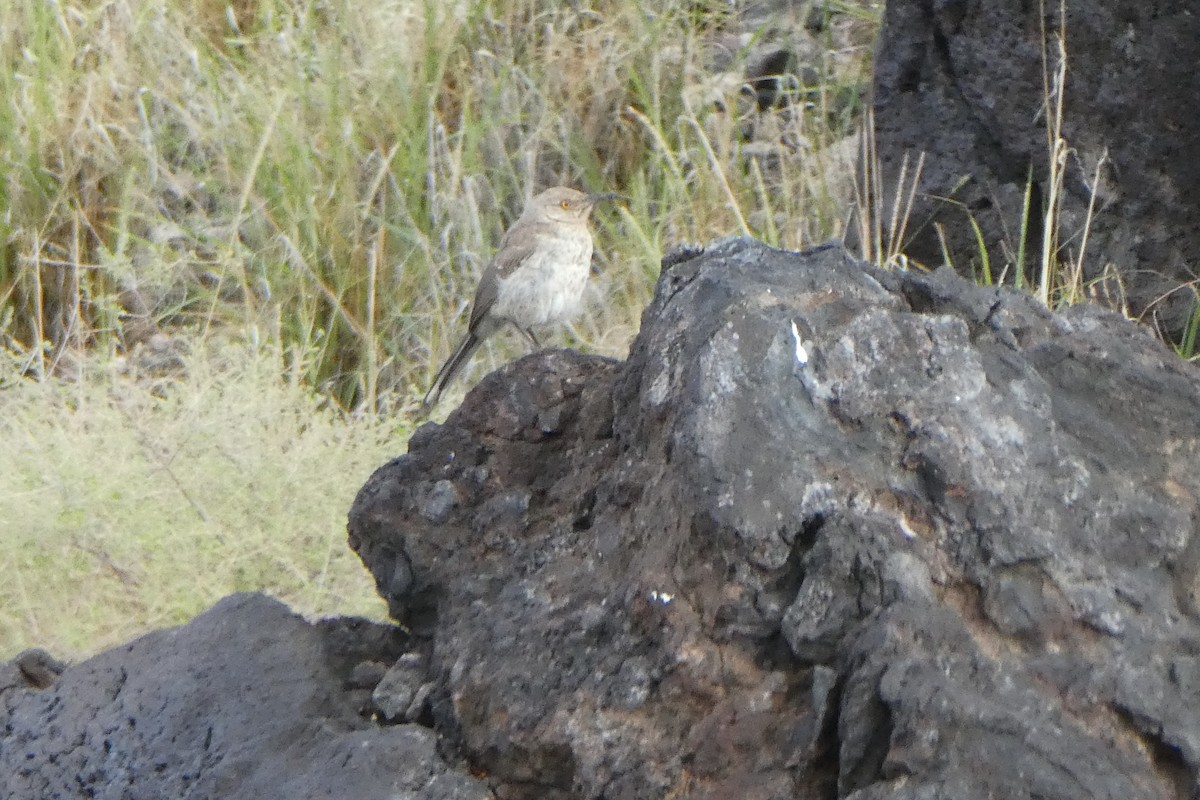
237	238
328	175
133	500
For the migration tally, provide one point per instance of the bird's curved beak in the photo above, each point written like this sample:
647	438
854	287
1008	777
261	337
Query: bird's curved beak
601	197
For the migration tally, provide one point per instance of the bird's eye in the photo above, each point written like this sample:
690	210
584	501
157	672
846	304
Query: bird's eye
565	204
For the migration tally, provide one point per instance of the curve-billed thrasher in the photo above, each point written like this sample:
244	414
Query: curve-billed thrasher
537	276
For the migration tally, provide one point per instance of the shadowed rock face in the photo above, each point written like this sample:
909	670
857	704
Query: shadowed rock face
953	554
963	83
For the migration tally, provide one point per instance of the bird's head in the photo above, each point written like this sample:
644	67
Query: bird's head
562	204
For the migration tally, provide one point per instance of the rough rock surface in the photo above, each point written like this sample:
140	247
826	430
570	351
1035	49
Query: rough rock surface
963	82
828	532
246	702
949	550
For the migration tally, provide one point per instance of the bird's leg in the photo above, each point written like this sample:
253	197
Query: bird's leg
529	337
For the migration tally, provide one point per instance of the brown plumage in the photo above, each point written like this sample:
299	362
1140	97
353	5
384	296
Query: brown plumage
536	277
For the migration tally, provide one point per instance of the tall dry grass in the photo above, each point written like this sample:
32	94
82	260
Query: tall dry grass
332	175
135	496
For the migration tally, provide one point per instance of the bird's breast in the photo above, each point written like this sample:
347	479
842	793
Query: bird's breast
548	285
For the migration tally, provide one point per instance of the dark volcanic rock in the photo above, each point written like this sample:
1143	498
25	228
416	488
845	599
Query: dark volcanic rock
248	701
31	669
963	83
949	550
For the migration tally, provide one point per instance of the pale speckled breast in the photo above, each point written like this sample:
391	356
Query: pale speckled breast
549	285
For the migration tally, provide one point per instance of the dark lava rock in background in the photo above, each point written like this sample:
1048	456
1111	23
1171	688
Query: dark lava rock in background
963	83
246	702
829	532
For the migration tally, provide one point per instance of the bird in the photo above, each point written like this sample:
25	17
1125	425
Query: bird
536	277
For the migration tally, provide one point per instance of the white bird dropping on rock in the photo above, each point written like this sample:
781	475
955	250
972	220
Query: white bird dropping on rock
801	353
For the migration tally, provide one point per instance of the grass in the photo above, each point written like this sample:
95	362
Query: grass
331	175
133	501
299	197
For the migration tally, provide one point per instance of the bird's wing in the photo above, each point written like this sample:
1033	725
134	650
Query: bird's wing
518	244
485	296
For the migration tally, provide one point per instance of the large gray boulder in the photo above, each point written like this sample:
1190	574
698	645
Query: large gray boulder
963	83
828	532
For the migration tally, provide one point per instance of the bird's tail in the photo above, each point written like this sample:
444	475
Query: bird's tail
466	348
